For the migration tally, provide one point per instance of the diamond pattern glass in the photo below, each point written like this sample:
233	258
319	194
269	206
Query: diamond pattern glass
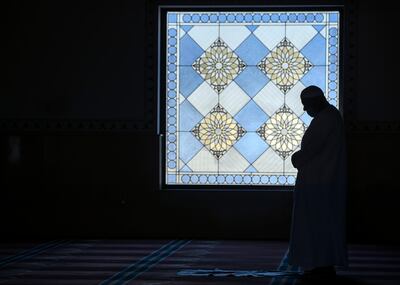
232	98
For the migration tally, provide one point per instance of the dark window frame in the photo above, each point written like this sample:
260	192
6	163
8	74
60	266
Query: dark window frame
159	10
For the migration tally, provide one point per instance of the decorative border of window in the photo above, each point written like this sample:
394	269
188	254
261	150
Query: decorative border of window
236	17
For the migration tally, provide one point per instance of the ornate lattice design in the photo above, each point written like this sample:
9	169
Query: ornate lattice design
218	131
250	64
285	65
283	131
219	65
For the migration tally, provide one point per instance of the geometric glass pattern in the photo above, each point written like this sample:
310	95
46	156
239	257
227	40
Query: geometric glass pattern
285	65
218	131
233	82
218	65
283	131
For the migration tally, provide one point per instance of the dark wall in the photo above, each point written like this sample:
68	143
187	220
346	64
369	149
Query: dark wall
85	63
74	59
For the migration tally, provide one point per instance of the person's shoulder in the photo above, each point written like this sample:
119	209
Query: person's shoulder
331	110
334	116
330	116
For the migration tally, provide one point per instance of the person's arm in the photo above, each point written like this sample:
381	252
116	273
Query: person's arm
313	141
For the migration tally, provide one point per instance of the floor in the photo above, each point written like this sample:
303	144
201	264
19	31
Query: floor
189	262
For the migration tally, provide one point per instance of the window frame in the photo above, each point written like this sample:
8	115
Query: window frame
161	83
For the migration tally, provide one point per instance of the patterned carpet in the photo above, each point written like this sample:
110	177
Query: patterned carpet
189	262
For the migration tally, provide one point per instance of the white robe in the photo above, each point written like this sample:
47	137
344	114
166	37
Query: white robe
318	236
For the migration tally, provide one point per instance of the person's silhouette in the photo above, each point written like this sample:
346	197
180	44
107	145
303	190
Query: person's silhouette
318	240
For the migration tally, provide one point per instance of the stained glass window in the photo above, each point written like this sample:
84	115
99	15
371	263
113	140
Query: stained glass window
233	82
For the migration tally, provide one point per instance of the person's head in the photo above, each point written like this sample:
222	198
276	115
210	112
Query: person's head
313	100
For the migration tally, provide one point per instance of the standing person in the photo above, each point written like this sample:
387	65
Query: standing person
318	236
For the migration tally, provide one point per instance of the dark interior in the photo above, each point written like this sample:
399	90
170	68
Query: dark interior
79	141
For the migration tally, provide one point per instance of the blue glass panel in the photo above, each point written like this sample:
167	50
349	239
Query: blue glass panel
172	67
332	41
283	17
172	41
306	118
257	18
188	146
172	32
185	168
189	50
194	178
203	179
333	32
333	102
172	76
172	138
332	94
251	169
186	28
291	180
238	179
315	50
213	18
171	111
248	18
212	179
252	50
251	146
301	17
222	18
171	146
251	117
172	17
332	67
266	18
275	18
189	80
247	179
264	179
316	76
292	17
333	17
172	50
239	18
204	18
251	80
310	18
185	179
189	116
187	18
252	28
231	18
332	76
171	178
171	120
172	155
195	18
319	17
319	27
